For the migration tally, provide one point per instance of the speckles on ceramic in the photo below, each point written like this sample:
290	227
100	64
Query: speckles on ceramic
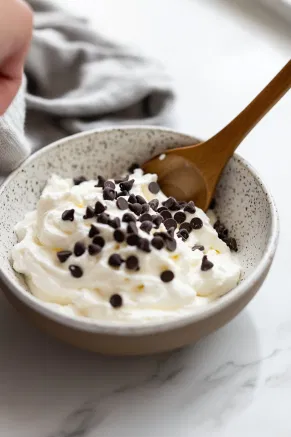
243	204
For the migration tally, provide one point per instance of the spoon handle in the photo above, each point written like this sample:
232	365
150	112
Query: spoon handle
233	134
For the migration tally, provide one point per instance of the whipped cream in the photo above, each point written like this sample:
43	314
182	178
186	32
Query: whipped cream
43	233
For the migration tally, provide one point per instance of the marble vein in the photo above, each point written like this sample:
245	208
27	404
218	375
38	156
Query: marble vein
234	383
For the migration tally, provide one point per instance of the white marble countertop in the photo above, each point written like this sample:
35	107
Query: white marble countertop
236	382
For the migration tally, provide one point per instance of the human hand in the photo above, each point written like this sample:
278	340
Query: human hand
16	21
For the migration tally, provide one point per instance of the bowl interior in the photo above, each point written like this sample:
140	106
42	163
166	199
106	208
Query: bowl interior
242	202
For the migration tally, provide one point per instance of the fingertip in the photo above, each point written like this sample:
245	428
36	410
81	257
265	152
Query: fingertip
26	21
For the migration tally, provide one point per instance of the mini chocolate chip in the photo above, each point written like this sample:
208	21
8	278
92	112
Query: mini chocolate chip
99	207
121	203
89	213
140	199
79	248
109	184
217	224
146	226
79	180
182	204
169	202
206	264
127	185
166	214
68	215
120	180
131	262
163	235
196	223
169	236
119	235
132	199
183	234
162	208
123	193
198	247
133	167
221	230
114	223
93	231
115	260
154	187
171	232
132	239
171	244
157	243
180	217
103	218
186	226
212	204
99	241
145	217
154	203
115	301
157	220
190	207
128	217
144	245
232	244
101	181
167	276
145	208
223	235
175	206
93	249
109	194
63	255
132	228
135	207
170	223
76	271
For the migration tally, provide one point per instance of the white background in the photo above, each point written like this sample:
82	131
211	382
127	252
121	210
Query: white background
236	382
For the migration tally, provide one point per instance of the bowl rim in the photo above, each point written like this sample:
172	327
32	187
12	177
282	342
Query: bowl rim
159	326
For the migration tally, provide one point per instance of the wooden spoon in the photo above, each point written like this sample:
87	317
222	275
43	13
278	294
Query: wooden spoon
191	173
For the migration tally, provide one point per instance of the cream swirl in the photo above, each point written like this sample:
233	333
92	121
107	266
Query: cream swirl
43	233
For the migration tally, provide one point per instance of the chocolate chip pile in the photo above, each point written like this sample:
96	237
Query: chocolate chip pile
222	232
137	216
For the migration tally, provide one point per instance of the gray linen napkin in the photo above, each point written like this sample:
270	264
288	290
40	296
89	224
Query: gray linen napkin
14	147
78	80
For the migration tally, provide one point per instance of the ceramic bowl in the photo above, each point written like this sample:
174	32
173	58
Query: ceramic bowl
243	203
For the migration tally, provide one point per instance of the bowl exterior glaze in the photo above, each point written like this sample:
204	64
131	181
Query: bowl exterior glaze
243	204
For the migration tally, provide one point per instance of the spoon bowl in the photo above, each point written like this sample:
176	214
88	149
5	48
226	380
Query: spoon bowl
178	177
192	173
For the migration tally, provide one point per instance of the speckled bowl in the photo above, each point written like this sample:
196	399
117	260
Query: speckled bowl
243	204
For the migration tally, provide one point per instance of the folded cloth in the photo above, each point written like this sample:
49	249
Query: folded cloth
77	80
14	147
